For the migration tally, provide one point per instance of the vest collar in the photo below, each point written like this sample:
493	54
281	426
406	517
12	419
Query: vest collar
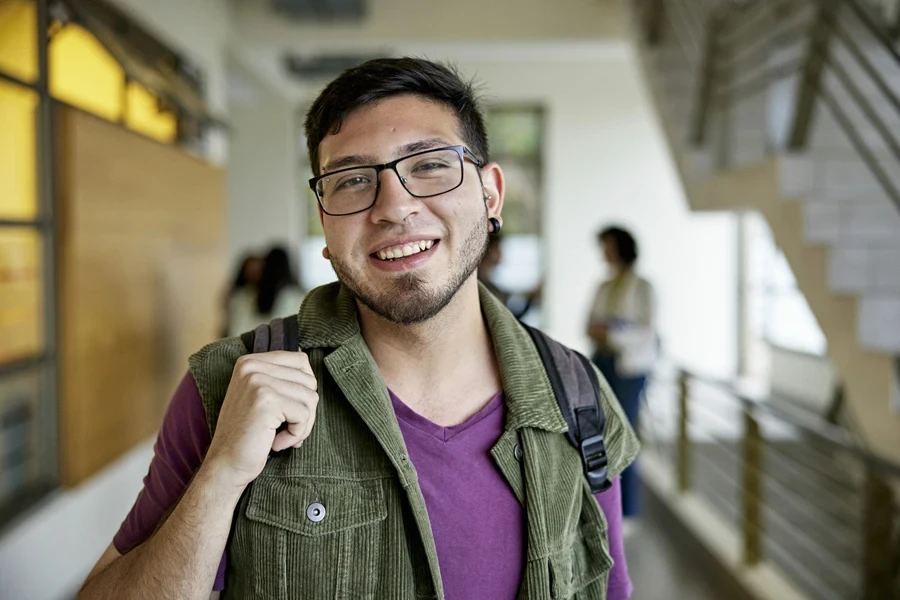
329	318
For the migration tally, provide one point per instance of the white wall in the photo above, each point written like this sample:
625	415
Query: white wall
263	176
606	161
47	555
389	22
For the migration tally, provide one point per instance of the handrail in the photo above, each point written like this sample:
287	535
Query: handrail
866	18
833	435
870	69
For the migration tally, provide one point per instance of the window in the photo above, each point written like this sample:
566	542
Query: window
776	312
27	423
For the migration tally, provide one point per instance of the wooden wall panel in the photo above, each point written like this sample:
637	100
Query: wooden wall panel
142	265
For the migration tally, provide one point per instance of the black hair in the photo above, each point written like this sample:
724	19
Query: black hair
384	78
276	275
240	278
626	246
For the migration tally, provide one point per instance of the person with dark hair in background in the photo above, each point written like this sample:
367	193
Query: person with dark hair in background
622	325
518	304
249	271
275	293
413	447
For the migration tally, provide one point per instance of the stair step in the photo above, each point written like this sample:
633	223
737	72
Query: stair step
865	270
879	322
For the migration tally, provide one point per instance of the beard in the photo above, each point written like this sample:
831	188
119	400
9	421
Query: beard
411	299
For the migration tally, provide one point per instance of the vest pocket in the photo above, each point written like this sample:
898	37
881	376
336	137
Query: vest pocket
580	569
330	531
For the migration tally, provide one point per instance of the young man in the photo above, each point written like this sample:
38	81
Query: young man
420	450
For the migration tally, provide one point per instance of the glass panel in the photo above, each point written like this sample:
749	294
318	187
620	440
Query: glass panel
84	74
20	447
792	325
21	327
18	39
143	115
18	173
514	132
515	141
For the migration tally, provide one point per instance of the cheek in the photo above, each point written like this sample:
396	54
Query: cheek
338	235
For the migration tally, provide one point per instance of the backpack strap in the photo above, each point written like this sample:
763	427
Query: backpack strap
577	391
278	334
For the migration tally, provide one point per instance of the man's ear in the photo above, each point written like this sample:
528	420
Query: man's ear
494	185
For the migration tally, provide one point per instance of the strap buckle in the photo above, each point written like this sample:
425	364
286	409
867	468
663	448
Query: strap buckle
596	463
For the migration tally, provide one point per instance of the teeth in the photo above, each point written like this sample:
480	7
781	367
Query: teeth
405	250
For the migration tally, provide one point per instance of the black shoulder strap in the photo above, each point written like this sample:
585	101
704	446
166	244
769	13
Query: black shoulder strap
278	334
577	392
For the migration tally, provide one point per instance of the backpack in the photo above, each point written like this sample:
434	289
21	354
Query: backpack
572	377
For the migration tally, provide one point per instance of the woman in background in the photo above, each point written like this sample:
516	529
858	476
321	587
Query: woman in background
277	293
622	327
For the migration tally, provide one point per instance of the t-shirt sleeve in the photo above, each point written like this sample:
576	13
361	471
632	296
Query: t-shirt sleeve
178	453
619	586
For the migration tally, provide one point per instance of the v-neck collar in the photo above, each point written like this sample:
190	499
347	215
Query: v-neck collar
445	434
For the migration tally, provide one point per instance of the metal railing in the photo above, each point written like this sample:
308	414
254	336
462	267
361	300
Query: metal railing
798	492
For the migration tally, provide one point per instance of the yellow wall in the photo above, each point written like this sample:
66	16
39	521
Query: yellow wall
18	28
17	152
20	293
84	74
143	115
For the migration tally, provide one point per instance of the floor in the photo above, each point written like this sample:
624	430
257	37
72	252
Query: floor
659	571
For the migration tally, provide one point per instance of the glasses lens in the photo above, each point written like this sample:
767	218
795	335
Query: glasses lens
432	173
348	191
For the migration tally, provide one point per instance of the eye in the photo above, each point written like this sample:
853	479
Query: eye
351	181
429	166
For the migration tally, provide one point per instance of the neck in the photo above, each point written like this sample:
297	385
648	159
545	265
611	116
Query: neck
431	365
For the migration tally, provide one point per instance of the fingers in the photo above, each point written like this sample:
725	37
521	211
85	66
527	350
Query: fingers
295	407
295	360
284	440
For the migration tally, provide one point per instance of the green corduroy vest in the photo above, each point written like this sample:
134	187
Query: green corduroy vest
375	540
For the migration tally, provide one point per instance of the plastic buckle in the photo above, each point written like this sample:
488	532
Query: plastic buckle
596	463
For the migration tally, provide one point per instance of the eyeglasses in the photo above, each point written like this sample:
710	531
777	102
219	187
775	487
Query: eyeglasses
423	175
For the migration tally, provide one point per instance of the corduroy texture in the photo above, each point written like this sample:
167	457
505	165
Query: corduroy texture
375	541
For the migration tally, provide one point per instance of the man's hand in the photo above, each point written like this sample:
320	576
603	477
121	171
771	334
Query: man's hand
266	390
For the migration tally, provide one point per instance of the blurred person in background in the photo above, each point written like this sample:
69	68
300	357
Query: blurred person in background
275	293
622	325
393	456
518	304
248	273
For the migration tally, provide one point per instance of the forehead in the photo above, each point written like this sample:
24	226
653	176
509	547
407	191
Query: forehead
380	129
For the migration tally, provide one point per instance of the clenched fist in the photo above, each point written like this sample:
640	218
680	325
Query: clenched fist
266	390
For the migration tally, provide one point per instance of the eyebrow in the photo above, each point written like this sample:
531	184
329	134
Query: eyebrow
367	159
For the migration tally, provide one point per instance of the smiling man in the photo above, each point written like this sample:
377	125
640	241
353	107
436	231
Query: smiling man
414	449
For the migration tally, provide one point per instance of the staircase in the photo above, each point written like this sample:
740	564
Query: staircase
792	108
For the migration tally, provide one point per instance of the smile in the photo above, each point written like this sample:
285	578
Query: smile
404	250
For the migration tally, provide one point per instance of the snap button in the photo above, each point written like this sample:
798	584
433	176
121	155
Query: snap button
315	512
518	452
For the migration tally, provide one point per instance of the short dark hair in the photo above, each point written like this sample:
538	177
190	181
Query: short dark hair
626	246
383	78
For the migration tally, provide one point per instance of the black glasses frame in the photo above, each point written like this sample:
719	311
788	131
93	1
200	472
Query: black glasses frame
461	150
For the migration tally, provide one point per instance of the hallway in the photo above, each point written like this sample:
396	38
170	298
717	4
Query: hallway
660	570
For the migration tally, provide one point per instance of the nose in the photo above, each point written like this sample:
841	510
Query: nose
393	204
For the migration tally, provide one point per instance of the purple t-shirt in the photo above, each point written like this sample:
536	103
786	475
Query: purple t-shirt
478	524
